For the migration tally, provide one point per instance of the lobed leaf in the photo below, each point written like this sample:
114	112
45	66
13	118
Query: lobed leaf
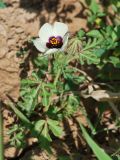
55	128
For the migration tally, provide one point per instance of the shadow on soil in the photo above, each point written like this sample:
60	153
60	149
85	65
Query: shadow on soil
50	7
53	10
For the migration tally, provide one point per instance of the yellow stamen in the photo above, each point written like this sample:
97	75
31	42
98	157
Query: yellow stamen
54	41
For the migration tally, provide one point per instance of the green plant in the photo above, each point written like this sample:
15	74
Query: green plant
2	4
60	80
52	92
99	152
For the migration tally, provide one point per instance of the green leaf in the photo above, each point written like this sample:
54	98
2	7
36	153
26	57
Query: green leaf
94	6
45	97
101	14
116	32
49	85
23	118
20	136
55	128
45	139
30	99
99	52
35	76
2	5
94	33
39	125
12	129
45	133
92	18
28	82
72	105
115	61
41	62
88	57
80	34
99	152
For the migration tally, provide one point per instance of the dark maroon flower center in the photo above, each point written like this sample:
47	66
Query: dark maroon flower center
55	42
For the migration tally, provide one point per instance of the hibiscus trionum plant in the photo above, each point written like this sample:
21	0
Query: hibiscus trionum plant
53	91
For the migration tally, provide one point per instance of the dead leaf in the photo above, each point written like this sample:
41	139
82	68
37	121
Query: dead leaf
103	95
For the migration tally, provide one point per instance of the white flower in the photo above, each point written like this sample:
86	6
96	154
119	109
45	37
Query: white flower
52	37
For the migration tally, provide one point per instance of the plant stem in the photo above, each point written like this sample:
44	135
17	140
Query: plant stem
55	82
72	58
117	152
1	134
57	76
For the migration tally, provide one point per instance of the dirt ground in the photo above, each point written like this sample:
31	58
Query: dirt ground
19	22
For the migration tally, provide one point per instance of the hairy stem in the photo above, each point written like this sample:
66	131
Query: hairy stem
57	77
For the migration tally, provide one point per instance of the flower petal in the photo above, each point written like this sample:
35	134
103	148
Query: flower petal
65	41
40	45
60	29
49	51
45	32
